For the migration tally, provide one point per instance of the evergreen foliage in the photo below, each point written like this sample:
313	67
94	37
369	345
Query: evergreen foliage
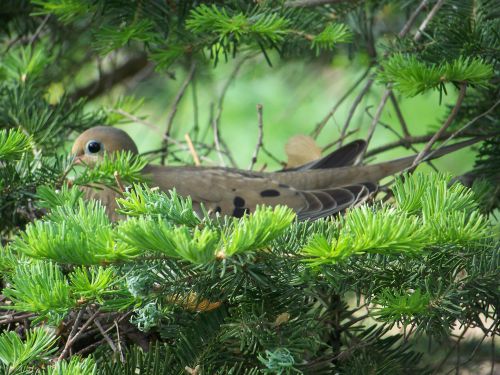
165	290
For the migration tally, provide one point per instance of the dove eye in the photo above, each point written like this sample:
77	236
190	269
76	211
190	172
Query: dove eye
93	147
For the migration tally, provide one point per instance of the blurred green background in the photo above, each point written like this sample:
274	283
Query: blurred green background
295	95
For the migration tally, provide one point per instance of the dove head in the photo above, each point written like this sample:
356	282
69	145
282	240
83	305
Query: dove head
91	145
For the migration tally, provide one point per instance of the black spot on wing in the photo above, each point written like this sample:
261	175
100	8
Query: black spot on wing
270	193
238	201
240	212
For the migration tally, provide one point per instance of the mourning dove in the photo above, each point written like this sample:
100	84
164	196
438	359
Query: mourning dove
314	190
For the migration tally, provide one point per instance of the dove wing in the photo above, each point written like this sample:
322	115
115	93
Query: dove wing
235	192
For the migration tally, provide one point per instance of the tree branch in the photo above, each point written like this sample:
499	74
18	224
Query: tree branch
429	17
447	123
319	127
127	70
173	110
260	137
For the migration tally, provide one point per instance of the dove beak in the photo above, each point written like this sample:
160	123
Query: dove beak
77	160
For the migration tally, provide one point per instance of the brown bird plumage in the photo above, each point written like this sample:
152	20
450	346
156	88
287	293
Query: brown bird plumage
314	190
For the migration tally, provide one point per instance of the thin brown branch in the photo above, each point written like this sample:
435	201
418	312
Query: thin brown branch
388	91
401	139
175	105
260	136
218	114
16	318
108	339
339	141
271	155
319	127
119	181
217	143
399	115
39	29
461	130
72	333
443	361
427	19
406	28
474	351
354	105
196	158
158	130
378	113
127	70
74	336
444	127
118	340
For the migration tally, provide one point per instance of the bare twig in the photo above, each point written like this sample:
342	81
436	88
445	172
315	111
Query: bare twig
173	110
319	127
39	29
411	140
447	123
378	113
412	19
119	182
196	158
72	333
474	351
14	318
127	70
134	118
73	337
401	139
158	130
271	155
260	136
443	361
196	121
118	340
217	143
339	141
354	105
427	19
399	114
105	335
218	114
461	130
388	91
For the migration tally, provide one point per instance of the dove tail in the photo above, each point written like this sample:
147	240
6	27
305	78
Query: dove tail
334	177
401	164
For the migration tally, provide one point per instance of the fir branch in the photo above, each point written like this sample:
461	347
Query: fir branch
330	36
413	77
385	231
40	287
127	165
75	366
143	201
63	236
257	230
15	353
13	144
444	127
